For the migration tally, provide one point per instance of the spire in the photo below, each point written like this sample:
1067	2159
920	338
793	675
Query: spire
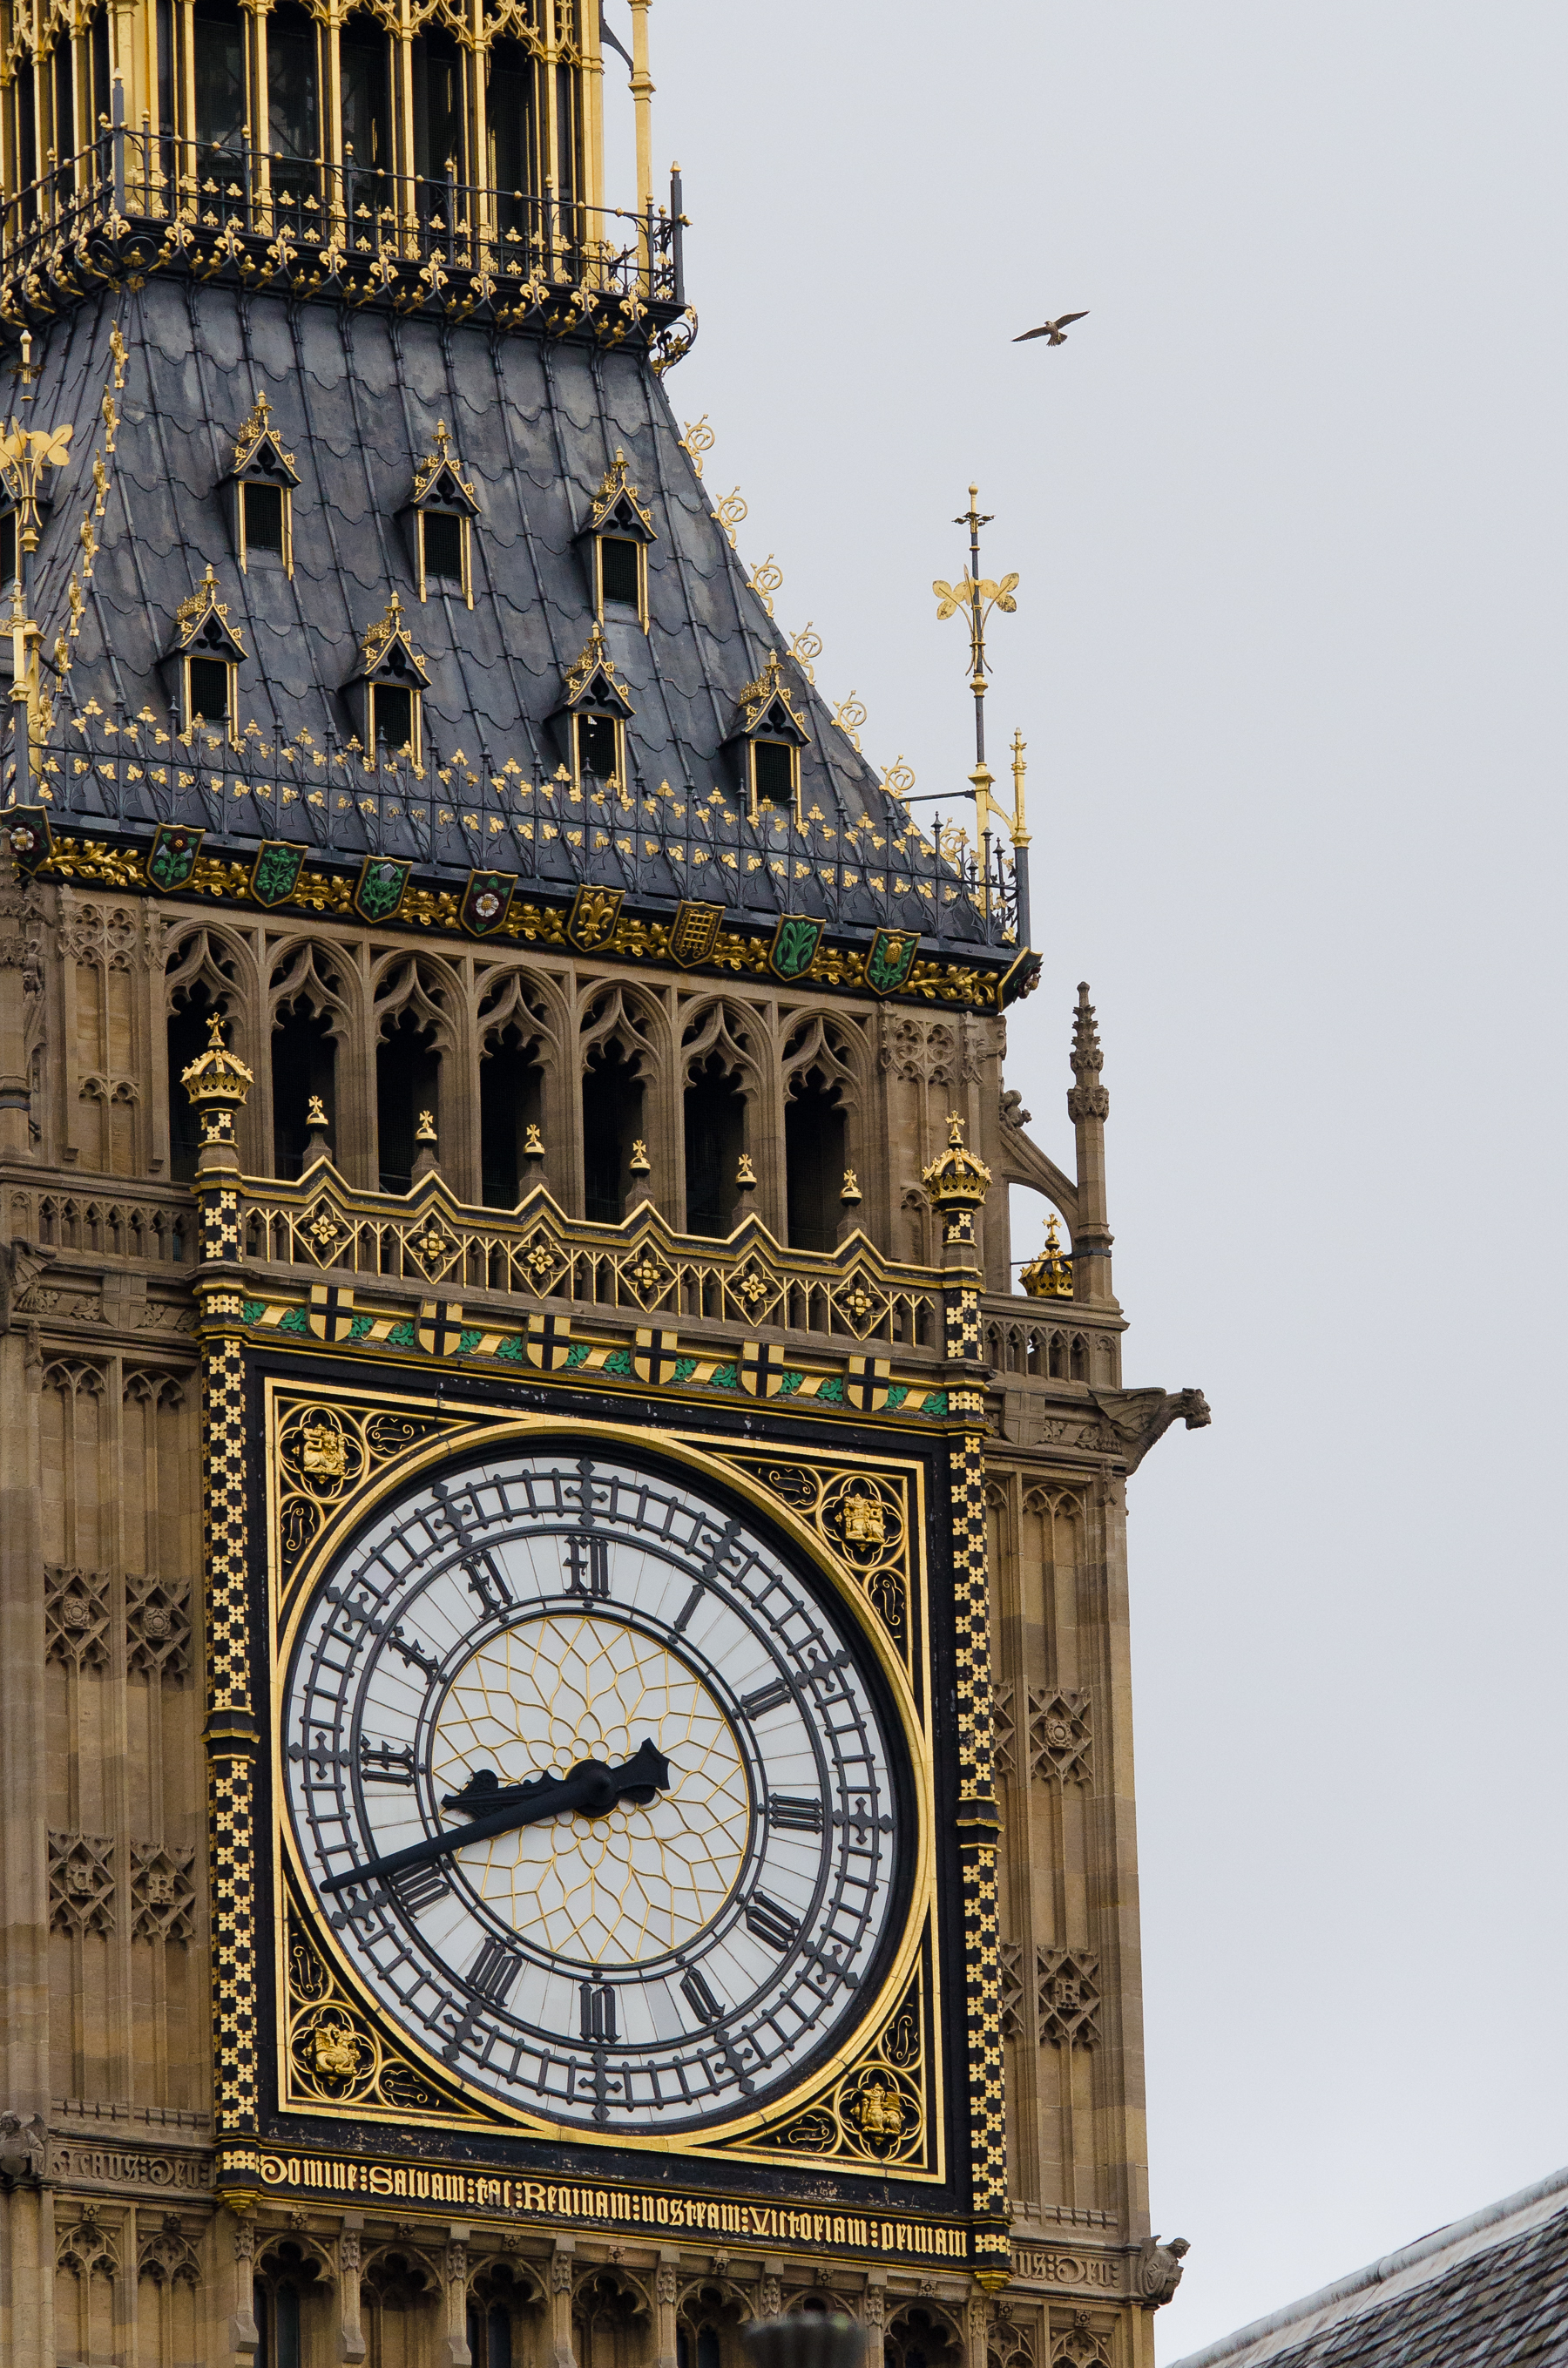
1088	1098
1089	1104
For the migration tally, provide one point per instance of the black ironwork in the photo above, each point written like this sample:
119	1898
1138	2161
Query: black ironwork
144	201
454	817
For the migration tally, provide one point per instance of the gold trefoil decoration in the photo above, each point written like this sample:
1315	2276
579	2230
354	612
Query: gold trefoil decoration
325	1454
877	2111
862	1516
336	2055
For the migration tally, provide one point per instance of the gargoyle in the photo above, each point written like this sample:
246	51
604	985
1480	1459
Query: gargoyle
1140	1418
1159	2265
20	1267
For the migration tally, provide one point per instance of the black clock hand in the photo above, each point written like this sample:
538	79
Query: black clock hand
590	1788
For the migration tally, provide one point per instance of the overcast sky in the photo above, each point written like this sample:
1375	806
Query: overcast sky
1288	514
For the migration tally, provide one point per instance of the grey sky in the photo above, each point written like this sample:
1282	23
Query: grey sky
1289	513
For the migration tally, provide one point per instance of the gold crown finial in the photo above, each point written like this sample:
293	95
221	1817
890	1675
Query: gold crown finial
958	1179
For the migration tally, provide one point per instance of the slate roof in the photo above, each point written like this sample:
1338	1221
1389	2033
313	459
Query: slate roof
535	422
1489	2291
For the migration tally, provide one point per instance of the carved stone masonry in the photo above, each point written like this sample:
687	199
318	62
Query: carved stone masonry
87	2250
75	1617
1067	1991
157	1628
168	2258
1080	2347
81	1882
1002	1734
1061	1738
163	1893
1159	2269
1011	1954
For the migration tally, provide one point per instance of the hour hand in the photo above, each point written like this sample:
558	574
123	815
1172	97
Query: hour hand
491	1808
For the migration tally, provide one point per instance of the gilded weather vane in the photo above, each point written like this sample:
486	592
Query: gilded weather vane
975	597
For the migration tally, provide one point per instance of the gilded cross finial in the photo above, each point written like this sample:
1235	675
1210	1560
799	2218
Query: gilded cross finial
425	1130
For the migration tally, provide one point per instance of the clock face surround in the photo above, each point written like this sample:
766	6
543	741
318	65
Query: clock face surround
687	1792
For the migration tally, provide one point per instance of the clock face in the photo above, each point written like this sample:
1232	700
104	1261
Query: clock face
597	1792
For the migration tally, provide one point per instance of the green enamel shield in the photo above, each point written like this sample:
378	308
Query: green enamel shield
891	960
794	947
172	858
380	889
275	871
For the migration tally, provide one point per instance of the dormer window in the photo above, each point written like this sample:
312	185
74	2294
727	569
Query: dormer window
767	736
616	538
207	654
207	700
598	748
775	775
621	573
263	479
440	513
593	715
388	692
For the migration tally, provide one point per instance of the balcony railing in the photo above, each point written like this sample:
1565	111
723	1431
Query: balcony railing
323	1228
100	773
154	200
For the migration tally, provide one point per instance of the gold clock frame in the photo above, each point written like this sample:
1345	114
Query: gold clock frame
889	2067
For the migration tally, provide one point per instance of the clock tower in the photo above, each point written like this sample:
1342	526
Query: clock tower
565	1689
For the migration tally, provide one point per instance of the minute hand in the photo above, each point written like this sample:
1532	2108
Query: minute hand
590	1787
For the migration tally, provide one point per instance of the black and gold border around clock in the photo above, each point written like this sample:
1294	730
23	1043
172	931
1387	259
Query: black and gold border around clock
326	1445
875	2108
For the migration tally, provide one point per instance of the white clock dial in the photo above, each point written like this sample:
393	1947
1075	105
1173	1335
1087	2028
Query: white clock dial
686	1942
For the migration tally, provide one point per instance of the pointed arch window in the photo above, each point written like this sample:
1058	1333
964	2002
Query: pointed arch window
593	715
206	656
387	691
261	482
765	738
440	515
617	537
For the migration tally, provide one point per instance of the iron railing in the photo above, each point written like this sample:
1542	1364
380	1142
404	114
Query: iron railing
279	218
459	815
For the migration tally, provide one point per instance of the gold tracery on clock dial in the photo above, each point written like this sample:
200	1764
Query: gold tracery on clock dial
627	1887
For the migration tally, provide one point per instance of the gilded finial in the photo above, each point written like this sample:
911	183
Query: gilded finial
641	1164
533	1144
425	1130
851	1192
1049	1275
315	1113
958	1179
745	1175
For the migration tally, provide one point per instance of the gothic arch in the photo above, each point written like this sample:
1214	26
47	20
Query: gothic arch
312	972
922	2335
420	983
529	1000
735	1033
614	1013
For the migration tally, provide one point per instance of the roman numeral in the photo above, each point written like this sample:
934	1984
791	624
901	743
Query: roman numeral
794	1815
771	1923
766	1698
420	1887
414	1655
587	1566
495	1971
700	1998
386	1763
596	2005
487	1582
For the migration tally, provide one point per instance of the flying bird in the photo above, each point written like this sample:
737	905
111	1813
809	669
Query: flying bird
1055	330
